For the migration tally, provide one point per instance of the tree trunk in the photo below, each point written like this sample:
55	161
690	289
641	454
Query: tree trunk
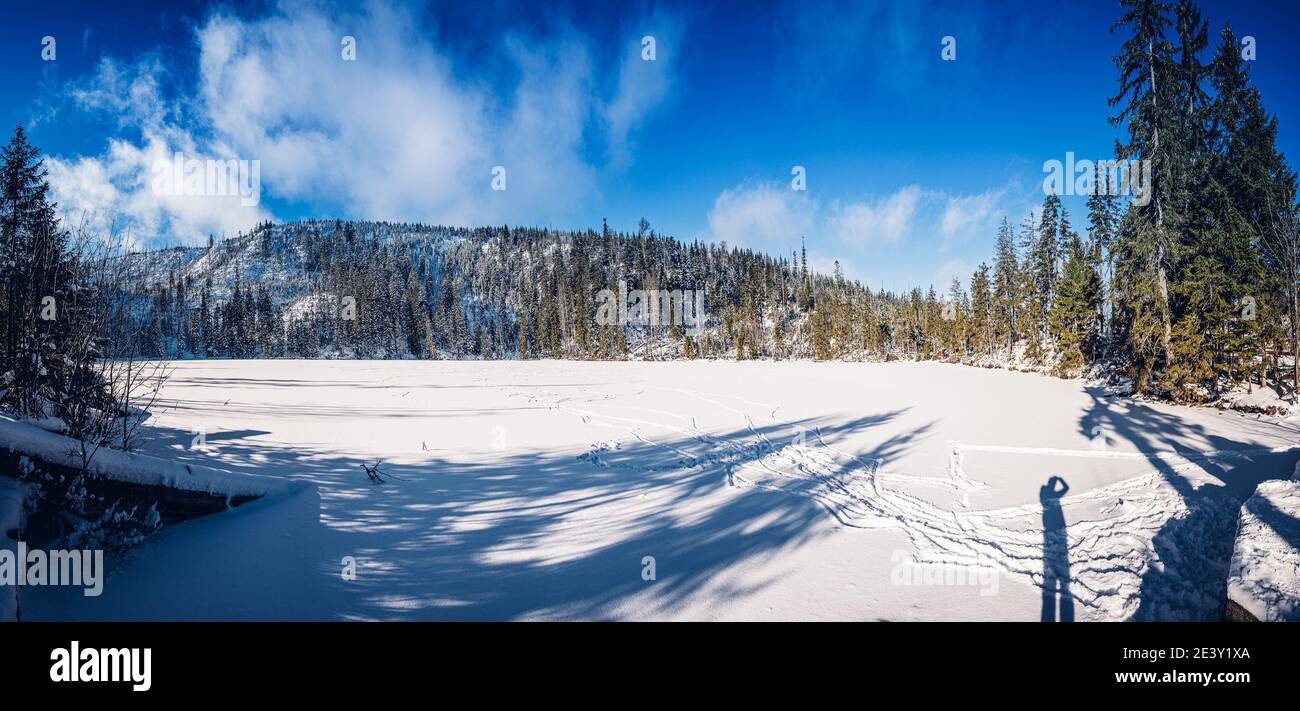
1295	336
1163	283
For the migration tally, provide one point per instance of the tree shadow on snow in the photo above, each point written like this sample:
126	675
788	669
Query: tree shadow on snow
1190	554
641	530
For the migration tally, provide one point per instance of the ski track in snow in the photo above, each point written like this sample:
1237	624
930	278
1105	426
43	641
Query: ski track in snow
1109	556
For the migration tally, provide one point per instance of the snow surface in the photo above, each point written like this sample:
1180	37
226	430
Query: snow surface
33	441
1265	573
1258	400
542	489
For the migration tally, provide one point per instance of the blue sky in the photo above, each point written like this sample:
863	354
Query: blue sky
911	161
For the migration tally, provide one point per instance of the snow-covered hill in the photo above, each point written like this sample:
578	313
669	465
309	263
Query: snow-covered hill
352	289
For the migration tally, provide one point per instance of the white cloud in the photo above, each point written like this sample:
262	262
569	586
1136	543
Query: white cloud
888	221
389	135
966	215
113	193
643	85
401	133
772	217
764	216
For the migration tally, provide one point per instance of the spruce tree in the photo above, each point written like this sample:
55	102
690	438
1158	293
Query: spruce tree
1006	288
1147	73
37	276
981	311
1073	321
1103	220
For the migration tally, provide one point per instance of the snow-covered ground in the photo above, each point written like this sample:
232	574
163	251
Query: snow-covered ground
1264	577
691	490
26	439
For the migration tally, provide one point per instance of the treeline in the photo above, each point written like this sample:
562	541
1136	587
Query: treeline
382	290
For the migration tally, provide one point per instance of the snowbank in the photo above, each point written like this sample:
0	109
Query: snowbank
1263	400
132	468
1264	579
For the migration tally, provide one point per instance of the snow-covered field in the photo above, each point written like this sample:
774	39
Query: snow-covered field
742	490
1264	578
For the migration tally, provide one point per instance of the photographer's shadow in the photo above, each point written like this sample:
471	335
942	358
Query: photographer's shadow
1056	554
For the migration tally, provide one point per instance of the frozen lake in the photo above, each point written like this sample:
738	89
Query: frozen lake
691	490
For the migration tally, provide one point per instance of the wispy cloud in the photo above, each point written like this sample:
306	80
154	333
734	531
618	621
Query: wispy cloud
112	193
965	215
887	221
773	217
404	132
762	216
644	83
